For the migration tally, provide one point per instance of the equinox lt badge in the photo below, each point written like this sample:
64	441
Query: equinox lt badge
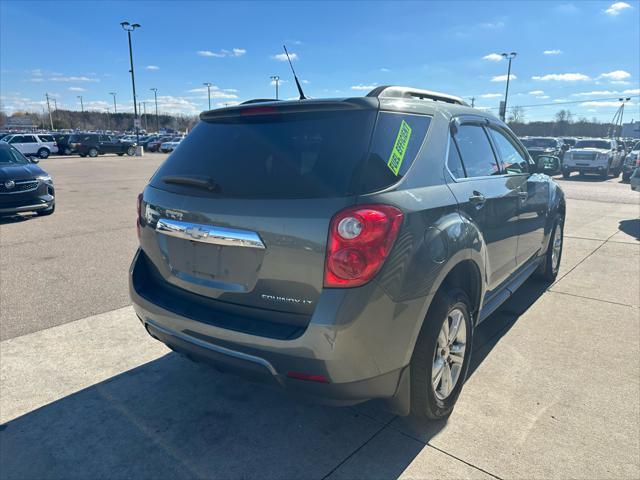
276	298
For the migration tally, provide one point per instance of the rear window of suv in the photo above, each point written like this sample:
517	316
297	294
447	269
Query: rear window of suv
309	154
593	144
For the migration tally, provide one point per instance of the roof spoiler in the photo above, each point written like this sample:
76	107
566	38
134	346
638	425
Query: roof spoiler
259	100
392	91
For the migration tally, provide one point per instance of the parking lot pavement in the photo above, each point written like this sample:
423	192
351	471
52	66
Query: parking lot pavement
553	391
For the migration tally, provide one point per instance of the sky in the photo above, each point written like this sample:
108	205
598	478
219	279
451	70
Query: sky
583	52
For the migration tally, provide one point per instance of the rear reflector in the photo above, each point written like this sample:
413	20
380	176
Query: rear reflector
308	377
360	239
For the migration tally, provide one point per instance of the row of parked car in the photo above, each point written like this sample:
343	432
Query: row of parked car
602	156
87	144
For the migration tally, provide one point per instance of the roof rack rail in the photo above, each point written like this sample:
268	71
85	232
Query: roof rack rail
394	91
259	100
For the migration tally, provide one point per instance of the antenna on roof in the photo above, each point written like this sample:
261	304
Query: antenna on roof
302	97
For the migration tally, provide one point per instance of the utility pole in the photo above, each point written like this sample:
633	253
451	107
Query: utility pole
108	120
473	102
128	27
146	125
508	56
276	80
84	121
49	109
115	108
155	97
208	85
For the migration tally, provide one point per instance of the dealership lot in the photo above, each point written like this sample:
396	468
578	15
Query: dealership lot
554	389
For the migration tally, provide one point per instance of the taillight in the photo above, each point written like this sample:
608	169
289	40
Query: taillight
360	238
139	212
638	162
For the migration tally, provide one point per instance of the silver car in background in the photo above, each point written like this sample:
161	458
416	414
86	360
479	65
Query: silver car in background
601	156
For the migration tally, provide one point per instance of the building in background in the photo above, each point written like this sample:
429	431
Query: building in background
631	130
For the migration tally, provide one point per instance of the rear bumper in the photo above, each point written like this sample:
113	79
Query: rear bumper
585	168
360	357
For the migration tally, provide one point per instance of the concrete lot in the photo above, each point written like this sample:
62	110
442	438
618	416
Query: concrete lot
554	390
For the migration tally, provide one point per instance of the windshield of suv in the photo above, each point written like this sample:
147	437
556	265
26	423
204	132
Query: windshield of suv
540	142
593	144
11	155
298	155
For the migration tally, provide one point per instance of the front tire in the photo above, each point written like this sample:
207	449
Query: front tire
550	265
441	356
131	151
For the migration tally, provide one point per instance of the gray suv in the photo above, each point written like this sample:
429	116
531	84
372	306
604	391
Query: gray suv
344	249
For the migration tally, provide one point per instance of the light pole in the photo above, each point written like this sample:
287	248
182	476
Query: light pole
276	81
155	97
144	110
115	109
49	109
108	120
208	85
508	56
84	123
128	27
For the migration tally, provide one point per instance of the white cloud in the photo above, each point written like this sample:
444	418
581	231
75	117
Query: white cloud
616	75
633	91
603	103
492	25
226	104
536	92
543	97
620	82
561	77
363	87
282	57
62	78
216	92
77	89
616	8
595	93
234	52
490	95
96	105
493	57
384	70
503	78
552	52
152	67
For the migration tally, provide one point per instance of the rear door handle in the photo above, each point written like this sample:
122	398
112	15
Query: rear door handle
477	199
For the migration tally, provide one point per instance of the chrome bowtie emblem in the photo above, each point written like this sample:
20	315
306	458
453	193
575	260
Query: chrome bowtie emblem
196	232
9	184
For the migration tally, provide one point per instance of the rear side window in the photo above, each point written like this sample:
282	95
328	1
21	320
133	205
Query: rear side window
476	152
29	139
46	138
316	154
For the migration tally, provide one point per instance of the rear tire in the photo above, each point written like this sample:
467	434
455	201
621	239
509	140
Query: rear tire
93	152
429	402
120	154
67	151
550	265
626	177
566	175
131	151
616	172
43	153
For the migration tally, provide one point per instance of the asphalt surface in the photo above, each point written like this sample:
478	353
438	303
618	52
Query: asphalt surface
553	391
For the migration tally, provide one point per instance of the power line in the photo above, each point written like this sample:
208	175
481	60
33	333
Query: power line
567	103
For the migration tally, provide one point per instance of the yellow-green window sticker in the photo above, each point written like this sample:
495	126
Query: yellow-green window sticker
399	148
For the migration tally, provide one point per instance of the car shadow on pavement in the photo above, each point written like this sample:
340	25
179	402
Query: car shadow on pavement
171	418
8	219
631	227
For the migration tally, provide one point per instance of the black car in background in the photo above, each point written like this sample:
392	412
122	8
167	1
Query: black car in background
63	143
24	186
537	146
93	144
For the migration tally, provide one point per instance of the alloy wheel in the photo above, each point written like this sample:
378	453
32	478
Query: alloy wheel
448	358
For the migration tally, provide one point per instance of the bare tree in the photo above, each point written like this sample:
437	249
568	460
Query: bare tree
516	114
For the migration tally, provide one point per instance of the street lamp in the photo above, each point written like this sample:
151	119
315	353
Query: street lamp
208	85
128	27
508	56
155	97
276	80
84	122
115	109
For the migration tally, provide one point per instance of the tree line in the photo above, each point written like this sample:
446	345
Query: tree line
89	120
563	125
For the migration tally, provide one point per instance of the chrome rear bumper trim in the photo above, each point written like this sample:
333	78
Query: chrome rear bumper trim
209	234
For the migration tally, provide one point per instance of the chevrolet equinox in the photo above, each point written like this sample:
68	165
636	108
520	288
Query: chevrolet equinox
344	249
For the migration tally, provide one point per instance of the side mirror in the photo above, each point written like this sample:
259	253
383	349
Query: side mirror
548	164
35	160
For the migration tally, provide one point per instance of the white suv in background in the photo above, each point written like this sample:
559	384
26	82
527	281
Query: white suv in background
32	144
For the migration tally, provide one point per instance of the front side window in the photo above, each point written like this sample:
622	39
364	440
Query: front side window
512	160
16	139
476	152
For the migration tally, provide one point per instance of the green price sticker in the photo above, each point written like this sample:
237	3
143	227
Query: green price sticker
399	148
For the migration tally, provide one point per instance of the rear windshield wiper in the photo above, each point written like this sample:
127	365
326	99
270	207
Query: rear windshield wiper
198	181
